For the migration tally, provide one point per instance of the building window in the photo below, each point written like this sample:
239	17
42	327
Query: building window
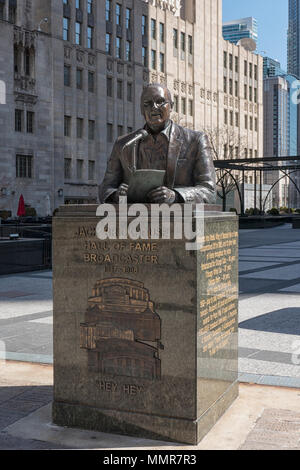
153	28
175	38
144	25
183	105
90	35
79	169
245	92
250	70
128	51
91	130
191	107
30	122
176	105
91	170
66	29
91	82
237	119
108	43
78	33
12	10
246	122
230	61
128	18
145	56
79	128
67	168
78	4
256	125
246	153
236	89
182	41
90	6
225	116
24	166
250	93
236	64
118	48
120	89
162	62
129	92
251	123
108	10
231	118
225	59
230	86
118	14
255	95
153	59
190	44
27	62
245	68
255	72
109	132
67	75
162	32
225	150
109	87
225	85
67	126
120	131
16	59
19	117
79	79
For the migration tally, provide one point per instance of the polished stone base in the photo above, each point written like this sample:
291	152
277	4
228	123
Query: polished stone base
143	425
145	331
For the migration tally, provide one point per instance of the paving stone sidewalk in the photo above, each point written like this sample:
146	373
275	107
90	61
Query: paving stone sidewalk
275	430
262	418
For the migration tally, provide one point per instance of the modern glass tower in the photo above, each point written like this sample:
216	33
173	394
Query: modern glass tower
294	38
272	68
236	30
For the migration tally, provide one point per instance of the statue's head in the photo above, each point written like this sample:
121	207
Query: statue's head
156	106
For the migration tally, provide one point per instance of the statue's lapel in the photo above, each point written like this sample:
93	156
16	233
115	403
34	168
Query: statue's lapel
173	154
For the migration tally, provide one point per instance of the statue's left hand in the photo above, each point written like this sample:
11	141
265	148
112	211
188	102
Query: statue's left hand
162	194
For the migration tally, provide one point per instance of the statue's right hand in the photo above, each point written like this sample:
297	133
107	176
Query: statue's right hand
121	191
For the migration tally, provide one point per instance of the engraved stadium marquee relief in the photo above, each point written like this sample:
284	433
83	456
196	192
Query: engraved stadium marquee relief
119	319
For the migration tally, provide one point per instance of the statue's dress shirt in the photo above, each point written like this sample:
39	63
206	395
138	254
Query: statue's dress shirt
153	151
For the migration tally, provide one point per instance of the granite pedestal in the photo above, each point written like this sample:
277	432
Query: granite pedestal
145	332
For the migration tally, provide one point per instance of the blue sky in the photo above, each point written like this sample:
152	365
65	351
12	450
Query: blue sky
272	17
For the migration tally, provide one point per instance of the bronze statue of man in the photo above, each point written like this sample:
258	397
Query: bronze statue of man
184	154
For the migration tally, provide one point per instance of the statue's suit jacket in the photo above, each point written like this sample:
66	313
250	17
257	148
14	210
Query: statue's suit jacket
190	169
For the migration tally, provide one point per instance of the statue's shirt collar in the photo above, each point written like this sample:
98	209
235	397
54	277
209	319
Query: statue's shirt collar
166	131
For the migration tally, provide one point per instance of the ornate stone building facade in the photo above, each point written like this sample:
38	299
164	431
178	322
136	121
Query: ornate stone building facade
73	72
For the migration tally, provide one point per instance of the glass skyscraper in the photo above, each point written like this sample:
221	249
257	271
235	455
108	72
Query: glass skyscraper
236	30
294	38
272	68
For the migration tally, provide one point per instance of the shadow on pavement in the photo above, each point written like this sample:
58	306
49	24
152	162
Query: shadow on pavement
285	321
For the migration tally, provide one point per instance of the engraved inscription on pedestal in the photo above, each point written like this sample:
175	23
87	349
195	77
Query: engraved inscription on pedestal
119	319
121	299
218	307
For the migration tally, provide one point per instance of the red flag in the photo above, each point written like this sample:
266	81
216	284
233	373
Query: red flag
21	207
